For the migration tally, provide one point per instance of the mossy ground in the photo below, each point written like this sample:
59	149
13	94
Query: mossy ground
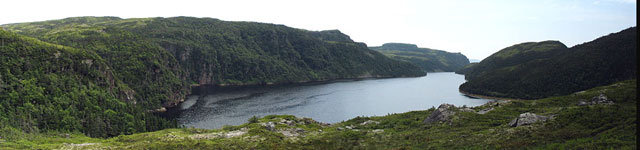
599	126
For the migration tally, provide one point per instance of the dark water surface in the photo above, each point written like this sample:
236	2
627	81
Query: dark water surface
329	102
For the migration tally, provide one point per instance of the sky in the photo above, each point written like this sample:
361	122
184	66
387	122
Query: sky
475	28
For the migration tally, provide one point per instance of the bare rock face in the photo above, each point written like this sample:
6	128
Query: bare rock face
527	119
442	114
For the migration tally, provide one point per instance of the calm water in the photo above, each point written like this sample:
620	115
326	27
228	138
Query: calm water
330	102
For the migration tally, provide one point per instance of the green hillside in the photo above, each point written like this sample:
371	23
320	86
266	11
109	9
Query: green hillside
543	69
161	57
568	125
466	68
514	55
116	70
429	60
46	86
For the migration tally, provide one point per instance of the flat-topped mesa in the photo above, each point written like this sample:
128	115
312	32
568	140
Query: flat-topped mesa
398	46
331	35
430	60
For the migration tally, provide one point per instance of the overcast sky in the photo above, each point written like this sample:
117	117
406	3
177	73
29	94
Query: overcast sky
474	27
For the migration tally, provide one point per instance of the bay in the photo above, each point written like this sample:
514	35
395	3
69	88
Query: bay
327	102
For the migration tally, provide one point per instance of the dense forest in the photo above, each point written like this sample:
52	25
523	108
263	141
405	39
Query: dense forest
543	69
45	86
151	63
429	60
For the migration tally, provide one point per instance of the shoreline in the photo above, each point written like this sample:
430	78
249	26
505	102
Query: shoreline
488	97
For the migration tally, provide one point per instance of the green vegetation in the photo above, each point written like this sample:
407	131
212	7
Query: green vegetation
429	60
86	77
102	75
597	126
46	86
537	70
159	56
466	68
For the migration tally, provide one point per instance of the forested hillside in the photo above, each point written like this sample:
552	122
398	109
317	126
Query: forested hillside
537	70
466	68
429	60
46	86
151	63
515	55
160	57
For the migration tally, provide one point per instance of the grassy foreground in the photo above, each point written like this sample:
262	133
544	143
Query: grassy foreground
573	126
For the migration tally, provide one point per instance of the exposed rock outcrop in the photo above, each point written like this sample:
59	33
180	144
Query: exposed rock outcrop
467	109
292	132
368	122
484	111
377	131
229	134
442	114
527	119
600	99
269	126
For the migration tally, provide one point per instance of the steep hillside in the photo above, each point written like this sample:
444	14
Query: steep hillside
515	55
429	60
46	87
103	75
537	70
161	57
147	68
599	118
466	68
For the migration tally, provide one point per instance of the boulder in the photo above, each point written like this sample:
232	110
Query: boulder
349	127
369	122
496	103
527	119
269	125
442	114
377	131
600	99
287	122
